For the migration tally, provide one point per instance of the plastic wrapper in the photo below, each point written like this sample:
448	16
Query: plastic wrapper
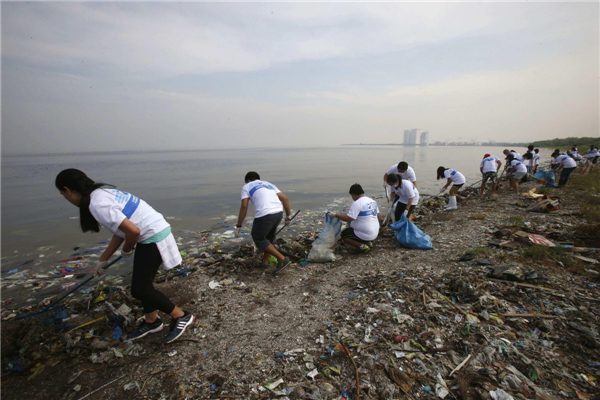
322	248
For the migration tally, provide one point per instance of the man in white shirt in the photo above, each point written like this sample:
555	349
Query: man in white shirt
489	169
516	172
364	220
403	170
568	165
269	203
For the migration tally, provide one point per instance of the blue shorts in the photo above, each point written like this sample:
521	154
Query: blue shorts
264	229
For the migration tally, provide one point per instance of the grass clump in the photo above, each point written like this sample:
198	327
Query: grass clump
587	188
515	220
478	216
545	191
477	251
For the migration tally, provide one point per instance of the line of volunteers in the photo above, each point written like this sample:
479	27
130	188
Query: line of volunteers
137	226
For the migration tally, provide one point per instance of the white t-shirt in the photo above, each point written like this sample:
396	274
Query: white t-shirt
536	159
110	207
264	197
520	166
517	155
489	164
365	224
592	153
409	174
407	191
456	176
566	161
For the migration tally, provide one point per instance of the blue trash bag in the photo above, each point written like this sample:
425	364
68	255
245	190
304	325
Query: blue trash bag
548	176
409	235
322	248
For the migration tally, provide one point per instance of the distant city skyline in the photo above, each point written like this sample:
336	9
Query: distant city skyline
113	76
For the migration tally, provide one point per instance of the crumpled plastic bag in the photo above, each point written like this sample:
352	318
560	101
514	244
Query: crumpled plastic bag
548	176
322	248
409	235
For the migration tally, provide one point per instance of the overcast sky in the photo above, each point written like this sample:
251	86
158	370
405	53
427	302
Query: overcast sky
127	76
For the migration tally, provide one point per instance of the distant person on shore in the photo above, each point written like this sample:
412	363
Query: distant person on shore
403	170
269	204
406	196
529	160
593	154
363	216
566	163
133	221
516	155
489	167
536	160
574	154
517	170
454	178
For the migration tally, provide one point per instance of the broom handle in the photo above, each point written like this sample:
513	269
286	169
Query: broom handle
82	283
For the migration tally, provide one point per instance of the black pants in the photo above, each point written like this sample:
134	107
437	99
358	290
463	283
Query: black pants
264	229
400	207
564	176
146	261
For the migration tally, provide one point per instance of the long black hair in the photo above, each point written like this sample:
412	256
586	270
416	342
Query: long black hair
440	172
394	179
75	180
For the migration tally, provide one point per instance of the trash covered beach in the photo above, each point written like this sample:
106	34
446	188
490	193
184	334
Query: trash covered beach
506	305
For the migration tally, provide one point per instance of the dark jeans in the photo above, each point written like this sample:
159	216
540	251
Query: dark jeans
146	261
564	176
400	207
264	229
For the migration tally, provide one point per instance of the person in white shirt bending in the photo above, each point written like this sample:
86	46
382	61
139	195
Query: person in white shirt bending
567	164
454	178
516	171
489	167
130	220
269	204
403	170
364	220
406	196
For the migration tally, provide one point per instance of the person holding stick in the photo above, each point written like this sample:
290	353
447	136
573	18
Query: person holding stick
269	204
132	222
454	178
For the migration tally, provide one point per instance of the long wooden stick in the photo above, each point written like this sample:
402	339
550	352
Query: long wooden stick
355	368
529	315
525	285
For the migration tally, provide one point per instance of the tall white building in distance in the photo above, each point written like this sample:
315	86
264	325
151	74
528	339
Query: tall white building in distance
410	137
424	138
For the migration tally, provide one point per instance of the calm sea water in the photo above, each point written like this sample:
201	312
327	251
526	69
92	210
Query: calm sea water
194	189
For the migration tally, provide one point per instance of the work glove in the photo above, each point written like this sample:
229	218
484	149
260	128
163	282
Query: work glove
238	231
99	268
127	254
406	212
384	186
330	214
288	219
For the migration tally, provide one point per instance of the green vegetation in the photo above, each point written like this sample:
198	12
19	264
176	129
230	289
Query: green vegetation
515	220
544	191
539	252
477	251
587	190
582	143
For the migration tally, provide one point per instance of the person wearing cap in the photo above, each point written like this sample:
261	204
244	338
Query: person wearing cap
566	163
516	172
516	155
489	169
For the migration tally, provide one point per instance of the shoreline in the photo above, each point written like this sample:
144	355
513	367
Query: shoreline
385	306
